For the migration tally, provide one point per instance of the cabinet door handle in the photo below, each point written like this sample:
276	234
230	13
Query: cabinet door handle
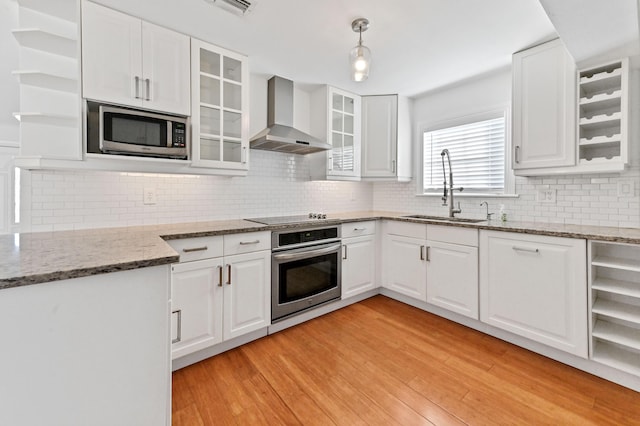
330	164
525	249
517	156
220	275
192	249
428	259
393	166
147	83
137	81
344	252
246	243
243	160
179	326
228	274
421	252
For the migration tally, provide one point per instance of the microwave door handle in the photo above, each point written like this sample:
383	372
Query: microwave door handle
306	254
169	134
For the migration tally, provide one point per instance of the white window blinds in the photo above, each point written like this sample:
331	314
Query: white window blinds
477	156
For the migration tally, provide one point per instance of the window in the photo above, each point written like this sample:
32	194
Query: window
477	150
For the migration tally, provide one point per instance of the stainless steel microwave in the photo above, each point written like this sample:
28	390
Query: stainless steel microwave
118	130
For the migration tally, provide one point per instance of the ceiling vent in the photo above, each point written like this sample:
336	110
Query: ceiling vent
237	7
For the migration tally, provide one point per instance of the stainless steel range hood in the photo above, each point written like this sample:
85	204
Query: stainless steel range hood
280	135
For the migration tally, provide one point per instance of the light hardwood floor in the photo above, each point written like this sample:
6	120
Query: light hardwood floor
382	362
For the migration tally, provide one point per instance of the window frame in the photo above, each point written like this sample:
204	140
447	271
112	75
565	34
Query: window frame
490	113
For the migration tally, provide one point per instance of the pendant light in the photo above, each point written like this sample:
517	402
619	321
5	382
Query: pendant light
360	56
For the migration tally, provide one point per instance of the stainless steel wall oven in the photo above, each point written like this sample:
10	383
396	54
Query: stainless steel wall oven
306	268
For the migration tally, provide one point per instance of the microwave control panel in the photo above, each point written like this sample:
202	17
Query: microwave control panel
179	135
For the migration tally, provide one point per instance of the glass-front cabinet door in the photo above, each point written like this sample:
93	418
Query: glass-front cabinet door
220	101
343	133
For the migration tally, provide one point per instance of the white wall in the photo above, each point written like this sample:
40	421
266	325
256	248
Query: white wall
581	199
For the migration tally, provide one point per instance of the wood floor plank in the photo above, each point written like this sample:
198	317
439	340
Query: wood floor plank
381	362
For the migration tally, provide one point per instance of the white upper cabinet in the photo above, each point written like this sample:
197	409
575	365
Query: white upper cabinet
220	106
130	62
386	138
544	108
336	118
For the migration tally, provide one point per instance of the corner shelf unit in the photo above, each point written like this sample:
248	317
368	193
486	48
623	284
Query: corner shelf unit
603	115
614	305
49	77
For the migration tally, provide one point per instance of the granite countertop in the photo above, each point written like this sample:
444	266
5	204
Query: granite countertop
32	258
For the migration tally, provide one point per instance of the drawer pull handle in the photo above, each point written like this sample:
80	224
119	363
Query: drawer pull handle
526	250
189	250
179	326
246	243
359	229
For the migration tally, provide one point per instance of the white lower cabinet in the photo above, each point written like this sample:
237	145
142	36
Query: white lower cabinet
404	266
358	258
535	286
221	298
452	269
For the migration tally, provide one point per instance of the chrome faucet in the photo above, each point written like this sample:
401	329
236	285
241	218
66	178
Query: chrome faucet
485	203
452	211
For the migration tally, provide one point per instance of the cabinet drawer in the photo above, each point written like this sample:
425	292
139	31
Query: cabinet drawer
413	230
199	248
356	229
453	235
247	242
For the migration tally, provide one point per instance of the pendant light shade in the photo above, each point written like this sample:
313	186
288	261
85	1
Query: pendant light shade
360	56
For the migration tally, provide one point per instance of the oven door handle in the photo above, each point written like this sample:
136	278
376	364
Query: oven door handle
306	254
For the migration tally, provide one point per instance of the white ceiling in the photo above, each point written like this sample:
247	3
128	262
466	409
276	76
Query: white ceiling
417	45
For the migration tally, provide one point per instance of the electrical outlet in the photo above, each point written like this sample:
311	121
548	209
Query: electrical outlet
149	196
546	196
626	188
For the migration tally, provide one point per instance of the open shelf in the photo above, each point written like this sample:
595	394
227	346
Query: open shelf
617	263
45	118
63	9
617	310
624	288
598	120
36	38
47	81
616	333
616	357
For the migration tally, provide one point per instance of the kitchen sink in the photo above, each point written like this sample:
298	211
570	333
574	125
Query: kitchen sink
444	218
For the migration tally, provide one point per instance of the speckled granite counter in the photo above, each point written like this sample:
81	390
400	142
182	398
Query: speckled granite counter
33	258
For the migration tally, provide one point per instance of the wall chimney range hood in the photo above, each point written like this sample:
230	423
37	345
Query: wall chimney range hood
280	135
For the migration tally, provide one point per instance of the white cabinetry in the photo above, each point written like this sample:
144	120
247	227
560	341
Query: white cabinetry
404	266
543	108
336	118
603	116
386	138
358	258
219	298
614	301
131	62
220	107
84	346
535	286
49	77
452	269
